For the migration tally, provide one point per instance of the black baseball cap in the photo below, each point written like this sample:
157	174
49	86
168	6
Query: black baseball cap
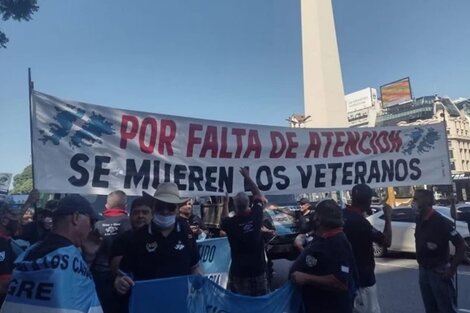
303	201
362	193
330	213
76	203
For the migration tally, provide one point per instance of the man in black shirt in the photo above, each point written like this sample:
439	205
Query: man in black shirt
325	268
140	216
361	234
432	235
198	228
247	274
164	248
305	224
115	221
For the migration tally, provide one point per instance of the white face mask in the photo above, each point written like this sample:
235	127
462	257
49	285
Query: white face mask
164	221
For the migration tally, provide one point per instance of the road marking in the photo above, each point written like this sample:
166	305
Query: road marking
464	310
411	267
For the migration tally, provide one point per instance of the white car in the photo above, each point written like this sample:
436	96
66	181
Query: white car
403	229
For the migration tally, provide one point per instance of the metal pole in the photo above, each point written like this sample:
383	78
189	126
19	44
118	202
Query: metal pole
452	202
30	93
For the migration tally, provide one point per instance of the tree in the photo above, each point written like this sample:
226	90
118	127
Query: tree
18	10
23	183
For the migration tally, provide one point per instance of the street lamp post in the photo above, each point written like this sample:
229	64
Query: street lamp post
437	101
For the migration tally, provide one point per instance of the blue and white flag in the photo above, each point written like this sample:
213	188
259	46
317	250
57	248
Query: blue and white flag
215	259
59	282
196	294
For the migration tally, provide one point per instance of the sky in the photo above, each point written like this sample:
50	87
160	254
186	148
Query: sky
228	60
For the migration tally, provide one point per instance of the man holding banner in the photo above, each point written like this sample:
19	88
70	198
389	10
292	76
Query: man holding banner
165	248
325	268
52	276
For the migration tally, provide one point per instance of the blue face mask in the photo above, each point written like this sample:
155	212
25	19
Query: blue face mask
164	221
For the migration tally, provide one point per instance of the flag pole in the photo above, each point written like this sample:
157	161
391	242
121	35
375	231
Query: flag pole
30	93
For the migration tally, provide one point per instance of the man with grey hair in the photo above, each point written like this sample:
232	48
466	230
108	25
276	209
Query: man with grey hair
247	275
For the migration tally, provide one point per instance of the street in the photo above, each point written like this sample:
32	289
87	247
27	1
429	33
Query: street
397	283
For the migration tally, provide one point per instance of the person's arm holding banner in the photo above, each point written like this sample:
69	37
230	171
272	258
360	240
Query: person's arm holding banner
31	201
224	214
123	281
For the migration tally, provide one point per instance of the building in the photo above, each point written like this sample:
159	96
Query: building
463	105
361	107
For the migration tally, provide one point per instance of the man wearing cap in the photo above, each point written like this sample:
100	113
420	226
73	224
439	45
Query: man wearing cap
247	274
164	248
305	224
325	268
361	234
52	274
9	224
198	228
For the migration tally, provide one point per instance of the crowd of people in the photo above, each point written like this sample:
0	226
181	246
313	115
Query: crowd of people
98	258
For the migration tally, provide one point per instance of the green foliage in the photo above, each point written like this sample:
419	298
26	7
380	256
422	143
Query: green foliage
23	182
18	10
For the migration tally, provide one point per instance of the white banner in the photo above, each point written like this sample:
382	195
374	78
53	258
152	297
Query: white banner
89	149
5	181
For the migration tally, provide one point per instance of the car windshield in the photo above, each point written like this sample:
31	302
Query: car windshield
444	211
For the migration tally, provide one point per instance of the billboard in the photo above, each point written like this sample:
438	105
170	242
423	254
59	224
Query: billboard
360	100
396	92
